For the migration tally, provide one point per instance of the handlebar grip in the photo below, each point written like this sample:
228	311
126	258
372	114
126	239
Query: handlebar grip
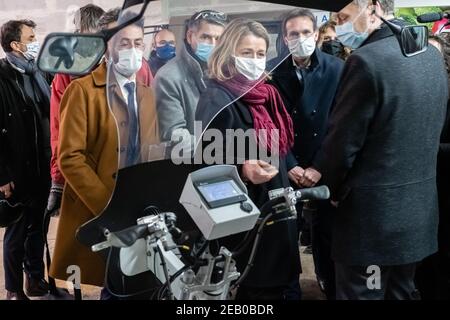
317	193
430	17
129	236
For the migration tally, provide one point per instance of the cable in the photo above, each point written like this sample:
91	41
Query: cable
121	296
265	209
253	253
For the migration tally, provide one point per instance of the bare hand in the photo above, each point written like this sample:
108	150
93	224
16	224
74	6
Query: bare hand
296	174
258	172
310	178
7	190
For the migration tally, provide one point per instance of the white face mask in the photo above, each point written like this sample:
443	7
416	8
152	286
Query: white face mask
251	68
302	48
130	62
32	52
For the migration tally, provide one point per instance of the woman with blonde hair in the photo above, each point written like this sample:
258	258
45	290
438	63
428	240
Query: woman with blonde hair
239	98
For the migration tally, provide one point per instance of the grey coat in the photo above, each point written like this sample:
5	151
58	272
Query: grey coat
178	86
379	156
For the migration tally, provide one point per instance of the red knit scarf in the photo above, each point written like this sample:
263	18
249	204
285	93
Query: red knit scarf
268	112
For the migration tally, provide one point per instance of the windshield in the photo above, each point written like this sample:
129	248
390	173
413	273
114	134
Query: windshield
162	69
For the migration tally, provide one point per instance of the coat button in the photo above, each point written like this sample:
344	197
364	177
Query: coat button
9	114
4	131
315	135
122	149
314	112
123	124
296	135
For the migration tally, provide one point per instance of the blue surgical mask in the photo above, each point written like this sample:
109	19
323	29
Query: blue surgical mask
166	52
349	37
204	51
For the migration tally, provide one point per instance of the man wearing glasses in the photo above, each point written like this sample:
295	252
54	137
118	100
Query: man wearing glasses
179	83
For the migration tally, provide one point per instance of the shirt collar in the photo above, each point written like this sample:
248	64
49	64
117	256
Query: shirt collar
121	80
301	67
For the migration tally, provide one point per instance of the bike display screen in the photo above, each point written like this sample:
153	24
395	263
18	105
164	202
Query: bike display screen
220	193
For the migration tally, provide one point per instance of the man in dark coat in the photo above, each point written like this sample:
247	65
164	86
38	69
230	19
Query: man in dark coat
24	157
379	157
308	81
433	273
443	180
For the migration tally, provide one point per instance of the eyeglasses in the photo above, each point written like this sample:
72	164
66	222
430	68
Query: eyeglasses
210	14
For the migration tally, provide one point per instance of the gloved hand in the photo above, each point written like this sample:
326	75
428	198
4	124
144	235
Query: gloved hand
54	199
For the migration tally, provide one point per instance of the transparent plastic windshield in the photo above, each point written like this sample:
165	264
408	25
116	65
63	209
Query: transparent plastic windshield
171	78
171	74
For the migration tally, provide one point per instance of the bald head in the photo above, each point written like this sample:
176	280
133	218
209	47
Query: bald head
164	37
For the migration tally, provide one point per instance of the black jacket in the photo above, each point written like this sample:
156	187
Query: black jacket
379	156
156	62
277	262
309	102
443	179
24	136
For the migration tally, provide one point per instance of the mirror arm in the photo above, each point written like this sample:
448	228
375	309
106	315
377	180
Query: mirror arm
109	33
397	30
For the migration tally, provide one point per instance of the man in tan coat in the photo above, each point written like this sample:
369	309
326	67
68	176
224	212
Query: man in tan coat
95	143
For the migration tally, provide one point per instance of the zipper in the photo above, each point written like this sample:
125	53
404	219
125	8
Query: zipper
38	164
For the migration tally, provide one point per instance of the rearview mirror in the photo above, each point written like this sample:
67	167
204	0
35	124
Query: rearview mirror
76	54
69	53
414	40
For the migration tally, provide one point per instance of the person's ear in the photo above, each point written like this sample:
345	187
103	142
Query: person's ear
286	41
189	37
316	36
15	46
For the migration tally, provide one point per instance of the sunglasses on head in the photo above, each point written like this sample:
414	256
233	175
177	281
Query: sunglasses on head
213	15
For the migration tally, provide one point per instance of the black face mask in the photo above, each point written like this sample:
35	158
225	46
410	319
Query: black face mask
333	47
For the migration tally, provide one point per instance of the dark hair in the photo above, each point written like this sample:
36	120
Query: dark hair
208	16
329	25
297	13
109	17
88	17
12	31
444	40
438	38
